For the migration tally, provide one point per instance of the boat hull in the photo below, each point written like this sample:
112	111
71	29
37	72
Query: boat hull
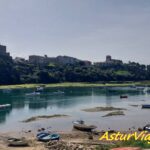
45	137
84	127
146	106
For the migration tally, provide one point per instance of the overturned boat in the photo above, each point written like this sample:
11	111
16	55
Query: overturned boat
80	125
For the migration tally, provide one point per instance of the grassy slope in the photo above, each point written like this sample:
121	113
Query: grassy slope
67	84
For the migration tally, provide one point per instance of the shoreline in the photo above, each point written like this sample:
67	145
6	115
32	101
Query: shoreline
71	140
76	84
76	138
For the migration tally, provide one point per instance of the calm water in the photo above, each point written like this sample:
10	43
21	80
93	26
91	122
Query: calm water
71	103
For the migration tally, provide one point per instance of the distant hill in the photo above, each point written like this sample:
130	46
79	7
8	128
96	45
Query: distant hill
44	69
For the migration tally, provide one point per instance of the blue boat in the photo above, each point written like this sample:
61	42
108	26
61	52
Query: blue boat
147	128
146	106
42	134
45	137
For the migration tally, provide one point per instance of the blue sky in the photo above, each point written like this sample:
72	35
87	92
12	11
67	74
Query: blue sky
86	29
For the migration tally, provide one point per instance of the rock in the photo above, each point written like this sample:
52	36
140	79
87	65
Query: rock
80	147
96	132
39	130
42	129
90	137
111	131
140	129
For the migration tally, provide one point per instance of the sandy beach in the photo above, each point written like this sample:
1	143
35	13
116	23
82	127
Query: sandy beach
69	140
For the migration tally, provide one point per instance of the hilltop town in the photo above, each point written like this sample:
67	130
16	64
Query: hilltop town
43	60
44	69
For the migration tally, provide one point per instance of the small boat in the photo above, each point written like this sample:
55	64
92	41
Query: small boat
14	142
58	92
140	88
39	89
45	137
42	134
146	106
33	94
123	96
5	106
147	127
80	125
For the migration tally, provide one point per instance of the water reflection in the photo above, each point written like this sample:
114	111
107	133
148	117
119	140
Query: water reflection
3	114
72	97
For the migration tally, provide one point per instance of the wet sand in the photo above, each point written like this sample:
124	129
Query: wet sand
98	109
35	118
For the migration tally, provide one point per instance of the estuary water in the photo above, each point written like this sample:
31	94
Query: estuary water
71	103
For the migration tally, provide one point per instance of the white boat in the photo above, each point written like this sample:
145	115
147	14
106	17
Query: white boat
5	106
80	125
33	94
39	89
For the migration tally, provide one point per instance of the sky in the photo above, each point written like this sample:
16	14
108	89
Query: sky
85	29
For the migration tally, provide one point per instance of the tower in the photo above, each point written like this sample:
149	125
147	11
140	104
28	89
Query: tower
108	58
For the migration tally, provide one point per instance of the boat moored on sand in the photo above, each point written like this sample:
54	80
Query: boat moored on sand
15	142
80	125
147	127
45	136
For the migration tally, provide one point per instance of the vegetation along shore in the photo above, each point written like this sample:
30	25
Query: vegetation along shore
60	69
77	84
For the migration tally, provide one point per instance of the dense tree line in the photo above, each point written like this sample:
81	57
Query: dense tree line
8	74
24	72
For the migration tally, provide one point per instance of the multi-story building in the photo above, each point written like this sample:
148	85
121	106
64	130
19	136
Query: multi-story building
109	61
67	60
57	60
19	60
4	53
